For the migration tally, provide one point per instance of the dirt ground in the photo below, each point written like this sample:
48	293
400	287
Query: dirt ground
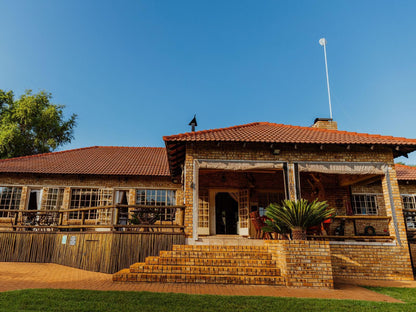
18	275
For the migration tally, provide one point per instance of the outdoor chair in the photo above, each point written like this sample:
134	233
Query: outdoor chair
258	223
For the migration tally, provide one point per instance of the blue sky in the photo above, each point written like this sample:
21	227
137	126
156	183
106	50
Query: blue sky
134	71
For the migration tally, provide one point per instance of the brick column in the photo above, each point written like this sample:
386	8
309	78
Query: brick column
131	200
189	194
66	203
23	202
292	181
394	207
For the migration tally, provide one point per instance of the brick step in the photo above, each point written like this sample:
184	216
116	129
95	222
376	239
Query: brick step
122	276
218	248
217	255
205	270
209	262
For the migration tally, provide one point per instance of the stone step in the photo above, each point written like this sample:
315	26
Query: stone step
122	276
217	255
209	262
205	270
219	248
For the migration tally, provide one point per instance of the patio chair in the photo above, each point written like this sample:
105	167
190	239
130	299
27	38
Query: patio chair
258	224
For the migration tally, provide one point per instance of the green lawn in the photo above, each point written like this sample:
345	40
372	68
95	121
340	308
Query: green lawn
85	300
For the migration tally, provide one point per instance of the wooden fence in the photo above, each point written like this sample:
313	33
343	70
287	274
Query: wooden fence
99	252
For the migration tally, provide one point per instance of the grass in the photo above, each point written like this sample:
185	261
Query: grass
87	300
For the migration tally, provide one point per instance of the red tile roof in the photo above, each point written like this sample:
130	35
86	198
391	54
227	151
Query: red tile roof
95	160
405	172
278	133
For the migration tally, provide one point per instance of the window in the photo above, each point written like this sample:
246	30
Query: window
409	202
9	200
203	209
84	198
54	199
158	198
364	204
267	198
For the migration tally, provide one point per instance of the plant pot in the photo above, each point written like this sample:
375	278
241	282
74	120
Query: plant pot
298	233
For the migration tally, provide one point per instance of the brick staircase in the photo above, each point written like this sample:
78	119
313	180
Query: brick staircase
250	265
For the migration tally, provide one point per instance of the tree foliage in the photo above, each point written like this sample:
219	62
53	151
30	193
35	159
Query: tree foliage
32	124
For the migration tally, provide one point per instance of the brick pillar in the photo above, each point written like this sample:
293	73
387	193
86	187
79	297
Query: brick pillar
394	207
189	194
23	202
24	198
179	201
131	200
66	203
292	181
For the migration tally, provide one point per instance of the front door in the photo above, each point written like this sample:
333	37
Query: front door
226	213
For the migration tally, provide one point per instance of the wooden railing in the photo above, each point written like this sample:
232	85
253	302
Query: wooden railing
355	235
140	218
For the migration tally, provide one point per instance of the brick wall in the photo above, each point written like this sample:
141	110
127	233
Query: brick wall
407	187
258	151
303	263
316	264
235	179
39	180
370	261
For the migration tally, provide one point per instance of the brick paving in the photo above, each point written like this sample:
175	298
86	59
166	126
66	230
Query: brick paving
21	275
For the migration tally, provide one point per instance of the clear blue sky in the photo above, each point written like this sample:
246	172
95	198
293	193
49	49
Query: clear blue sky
137	70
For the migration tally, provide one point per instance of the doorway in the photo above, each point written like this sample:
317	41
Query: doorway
123	212
226	213
34	204
34	200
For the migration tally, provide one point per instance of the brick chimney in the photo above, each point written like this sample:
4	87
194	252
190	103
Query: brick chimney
325	123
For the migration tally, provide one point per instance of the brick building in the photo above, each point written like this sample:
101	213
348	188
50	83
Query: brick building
204	184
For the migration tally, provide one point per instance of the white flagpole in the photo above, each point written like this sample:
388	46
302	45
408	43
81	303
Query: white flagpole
323	43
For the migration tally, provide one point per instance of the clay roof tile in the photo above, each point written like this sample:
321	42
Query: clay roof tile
405	172
95	160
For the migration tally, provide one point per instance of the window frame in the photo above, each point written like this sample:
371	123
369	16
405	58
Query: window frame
54	198
11	202
409	217
153	197
89	197
365	210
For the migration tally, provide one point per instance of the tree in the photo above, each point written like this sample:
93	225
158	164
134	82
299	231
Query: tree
32	124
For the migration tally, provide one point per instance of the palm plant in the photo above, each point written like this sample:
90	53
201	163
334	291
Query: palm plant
275	226
298	215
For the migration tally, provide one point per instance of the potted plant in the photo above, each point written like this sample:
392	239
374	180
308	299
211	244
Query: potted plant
278	229
298	216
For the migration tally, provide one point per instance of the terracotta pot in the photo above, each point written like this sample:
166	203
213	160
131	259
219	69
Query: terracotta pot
298	233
